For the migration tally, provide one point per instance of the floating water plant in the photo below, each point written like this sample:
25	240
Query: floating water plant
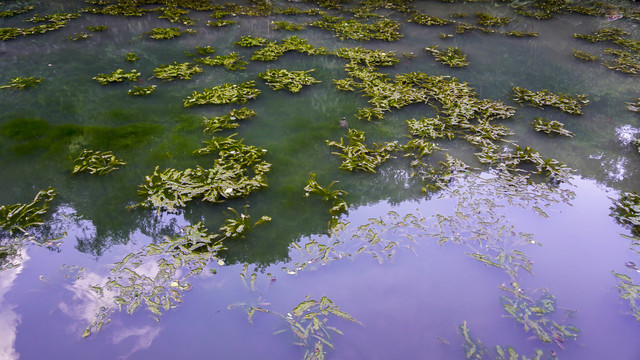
14	12
605	34
202	50
634	106
20	217
98	28
166	33
132	57
250	41
96	162
338	205
22	83
237	171
566	103
485	19
224	94
357	156
273	50
184	71
173	261
626	211
117	76
585	56
630	291
474	349
368	57
176	15
240	224
232	61
550	127
220	23
290	80
452	56
79	36
142	90
354	30
228	121
427	20
287	26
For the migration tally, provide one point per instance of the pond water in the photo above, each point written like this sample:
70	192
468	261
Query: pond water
517	259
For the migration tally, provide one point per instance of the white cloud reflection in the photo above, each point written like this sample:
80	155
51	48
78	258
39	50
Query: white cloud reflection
9	319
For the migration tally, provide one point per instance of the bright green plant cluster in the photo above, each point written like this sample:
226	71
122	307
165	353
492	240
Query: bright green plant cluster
167	33
224	94
132	57
550	127
142	90
240	224
232	61
357	156
20	217
14	12
184	71
368	57
52	22
175	15
485	19
117	76
585	56
626	60
287	26
237	171
250	41
96	162
22	83
227	121
176	258
452	56
273	50
566	103
290	80
338	205
352	29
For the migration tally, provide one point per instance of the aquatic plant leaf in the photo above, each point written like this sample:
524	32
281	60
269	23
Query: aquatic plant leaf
19	217
21	83
566	103
117	76
550	127
224	94
232	61
452	56
142	90
357	156
285	79
96	162
184	71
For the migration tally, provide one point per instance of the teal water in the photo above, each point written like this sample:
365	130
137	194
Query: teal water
410	306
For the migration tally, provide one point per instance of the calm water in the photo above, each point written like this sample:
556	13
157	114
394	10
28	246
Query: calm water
411	305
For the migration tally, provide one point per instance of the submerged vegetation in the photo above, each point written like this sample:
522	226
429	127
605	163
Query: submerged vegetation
567	103
224	94
96	162
452	56
21	83
117	76
285	79
20	217
184	71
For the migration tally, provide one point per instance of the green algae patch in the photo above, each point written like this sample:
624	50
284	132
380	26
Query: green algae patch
227	121
22	83
451	56
290	80
567	103
167	33
183	71
224	94
355	30
232	61
118	75
273	50
96	162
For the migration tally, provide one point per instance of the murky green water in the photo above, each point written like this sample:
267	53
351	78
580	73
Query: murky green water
411	278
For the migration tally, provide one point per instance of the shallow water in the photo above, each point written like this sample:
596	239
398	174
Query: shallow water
409	306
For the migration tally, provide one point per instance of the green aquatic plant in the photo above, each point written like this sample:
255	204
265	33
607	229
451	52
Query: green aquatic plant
521	33
338	205
167	33
368	57
237	226
227	121
626	212
634	106
285	79
132	57
142	90
175	259
624	61
96	162
287	26
21	83
117	76
485	19
550	127
605	34
351	29
357	156
237	171
184	71
120	8
273	50
452	56
566	103
428	20
584	56
98	28
250	41
630	291
20	217
22	10
220	23
79	36
175	15
232	61
224	94
474	349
